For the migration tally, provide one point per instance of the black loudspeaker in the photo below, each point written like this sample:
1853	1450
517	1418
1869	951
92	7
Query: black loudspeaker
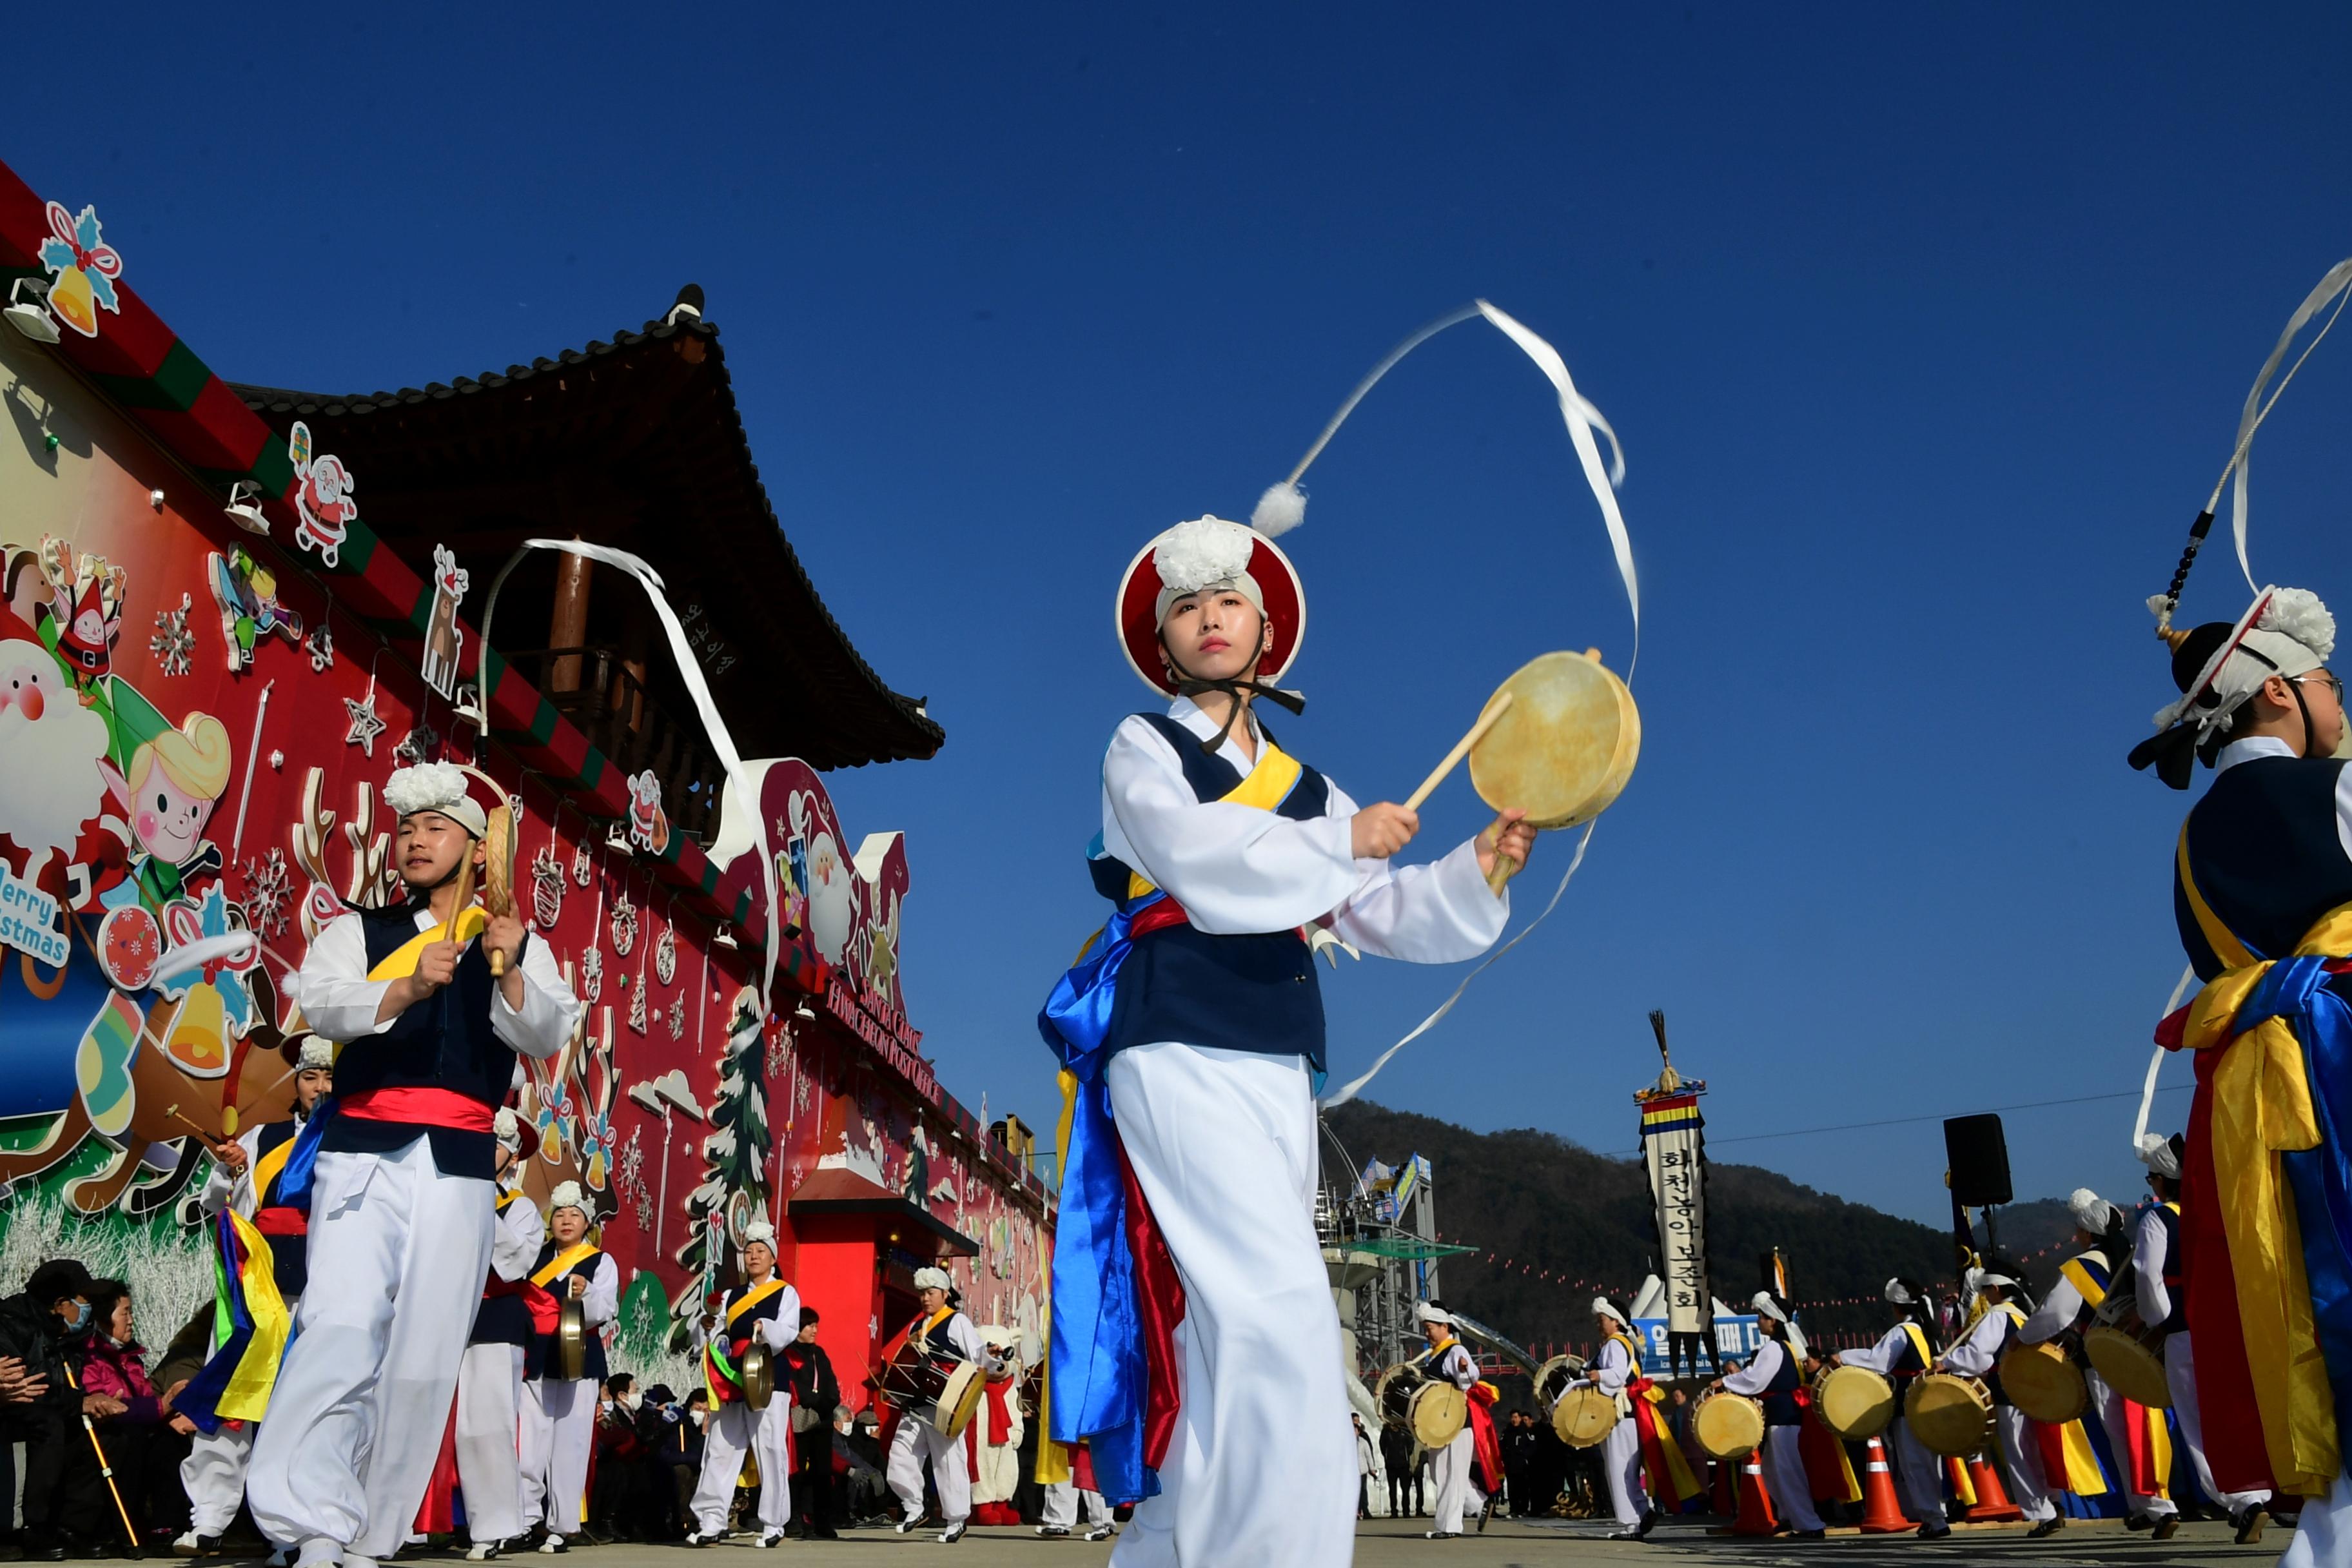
1977	1157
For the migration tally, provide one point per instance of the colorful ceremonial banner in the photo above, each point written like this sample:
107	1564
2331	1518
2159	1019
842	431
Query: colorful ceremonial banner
1672	1144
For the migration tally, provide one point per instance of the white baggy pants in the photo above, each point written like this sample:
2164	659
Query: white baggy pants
913	1442
559	1432
1457	1495
213	1475
1918	1473
489	1469
2029	1484
1061	1508
2180	1374
1785	1480
1621	1460
766	1435
398	1252
1262	1468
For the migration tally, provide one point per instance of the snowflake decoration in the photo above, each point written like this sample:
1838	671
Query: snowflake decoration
591	975
320	646
364	724
546	886
624	923
269	891
780	1052
581	869
173	644
665	956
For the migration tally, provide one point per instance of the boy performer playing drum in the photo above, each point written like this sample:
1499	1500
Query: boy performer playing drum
765	1311
401	1201
1450	1466
1771	1377
1977	1354
2261	882
491	1377
915	1441
558	1414
1192	1038
2161	1296
1900	1356
247	1175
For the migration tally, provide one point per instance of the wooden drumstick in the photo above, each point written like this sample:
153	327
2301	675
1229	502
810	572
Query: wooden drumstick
210	1142
465	897
1500	706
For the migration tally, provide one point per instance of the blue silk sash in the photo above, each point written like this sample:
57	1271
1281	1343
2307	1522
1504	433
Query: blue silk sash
1097	1371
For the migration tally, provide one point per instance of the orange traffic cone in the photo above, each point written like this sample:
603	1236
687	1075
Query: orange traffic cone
1755	1505
1992	1504
1880	1513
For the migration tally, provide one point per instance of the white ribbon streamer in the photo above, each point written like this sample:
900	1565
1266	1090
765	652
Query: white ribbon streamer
2156	1062
1583	420
690	670
2335	287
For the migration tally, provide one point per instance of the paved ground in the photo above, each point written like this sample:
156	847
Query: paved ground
1383	1545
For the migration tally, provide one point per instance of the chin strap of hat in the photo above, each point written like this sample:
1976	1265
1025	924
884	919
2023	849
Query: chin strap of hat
1193	685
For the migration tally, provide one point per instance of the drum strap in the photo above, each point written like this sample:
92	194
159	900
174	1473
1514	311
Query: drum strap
752	1299
1919	1347
922	1336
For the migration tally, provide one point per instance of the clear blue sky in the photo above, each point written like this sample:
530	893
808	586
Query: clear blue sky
1924	329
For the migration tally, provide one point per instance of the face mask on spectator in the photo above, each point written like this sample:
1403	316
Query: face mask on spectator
81	1319
631	1400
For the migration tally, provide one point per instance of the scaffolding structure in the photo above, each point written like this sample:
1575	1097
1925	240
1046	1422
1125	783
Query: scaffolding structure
1377	1226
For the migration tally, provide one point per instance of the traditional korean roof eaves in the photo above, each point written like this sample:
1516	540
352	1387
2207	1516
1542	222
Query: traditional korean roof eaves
867	720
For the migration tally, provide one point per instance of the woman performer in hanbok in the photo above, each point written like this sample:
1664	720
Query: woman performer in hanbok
1455	1467
1773	1378
1192	1035
1977	1354
1643	1464
1900	1356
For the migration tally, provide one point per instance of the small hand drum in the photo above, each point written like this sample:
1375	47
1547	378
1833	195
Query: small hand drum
2131	1359
498	848
1949	1415
1584	1417
1730	1425
2043	1383
1853	1402
1563	751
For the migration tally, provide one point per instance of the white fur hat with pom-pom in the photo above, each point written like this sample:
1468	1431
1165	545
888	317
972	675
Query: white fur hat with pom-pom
2093	1214
506	1127
318	1055
568	1196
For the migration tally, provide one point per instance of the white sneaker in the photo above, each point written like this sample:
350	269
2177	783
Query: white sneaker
908	1523
482	1552
772	1534
1051	1530
548	1547
1101	1533
953	1534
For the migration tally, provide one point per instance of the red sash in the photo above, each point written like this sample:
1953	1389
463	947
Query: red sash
276	1221
419	1106
1654	1441
546	1312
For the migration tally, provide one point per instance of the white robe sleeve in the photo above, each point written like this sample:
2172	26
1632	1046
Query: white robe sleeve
1758	1374
968	1344
785	1326
1457	1367
223	1191
1879	1358
516	1241
338	1000
602	1304
1238	869
2150	1250
1613	1369
550	1011
1974	1356
2056	1314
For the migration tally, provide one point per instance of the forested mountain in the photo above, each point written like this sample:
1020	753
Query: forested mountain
1538	1203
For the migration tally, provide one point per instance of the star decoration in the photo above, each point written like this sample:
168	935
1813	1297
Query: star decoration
364	724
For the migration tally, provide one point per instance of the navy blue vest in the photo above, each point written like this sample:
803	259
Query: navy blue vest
2175	1272
289	1255
592	1364
1779	1396
1992	1375
1252	993
739	1331
503	1320
2265	854
442	1042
